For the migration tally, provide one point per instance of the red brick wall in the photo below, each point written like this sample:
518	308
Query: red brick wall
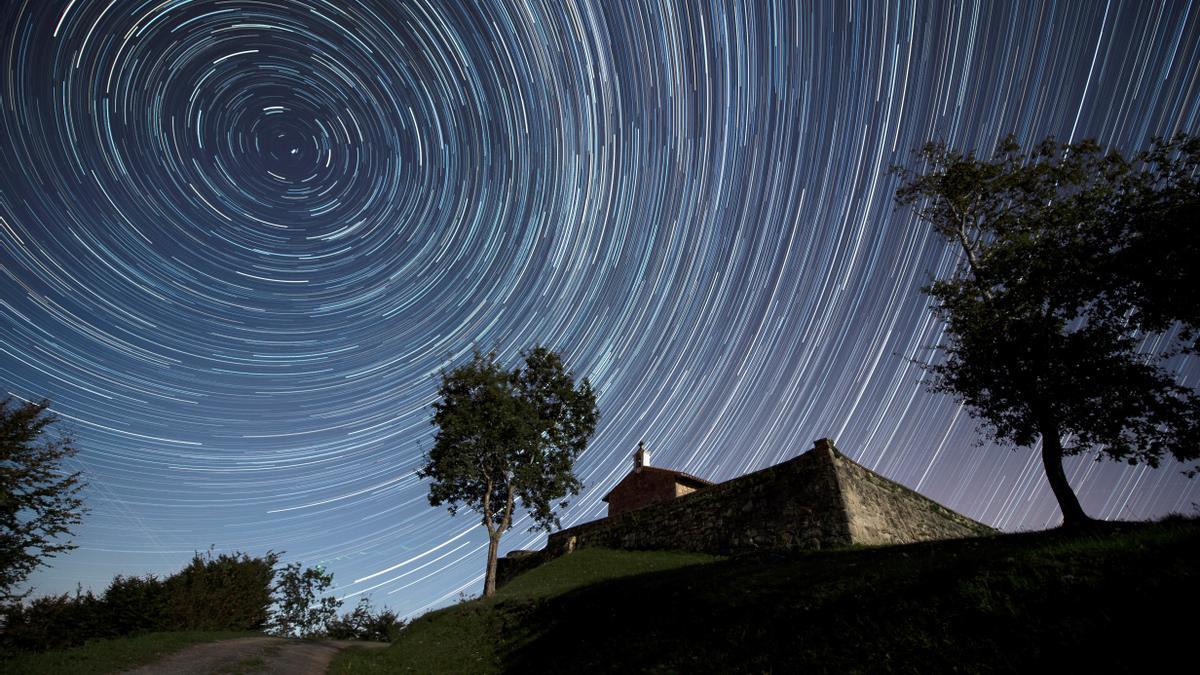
641	488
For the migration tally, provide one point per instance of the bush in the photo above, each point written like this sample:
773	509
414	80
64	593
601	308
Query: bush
52	622
213	593
224	592
364	624
135	605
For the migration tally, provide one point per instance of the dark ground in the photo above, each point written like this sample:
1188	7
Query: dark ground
1118	597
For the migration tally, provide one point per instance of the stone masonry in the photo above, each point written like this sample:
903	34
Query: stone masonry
648	485
820	499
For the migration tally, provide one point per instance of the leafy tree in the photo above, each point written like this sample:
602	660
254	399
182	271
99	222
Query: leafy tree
1069	257
1154	242
300	611
504	436
39	500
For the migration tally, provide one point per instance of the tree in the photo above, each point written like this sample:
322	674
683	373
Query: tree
39	500
1066	254
506	436
1154	241
300	611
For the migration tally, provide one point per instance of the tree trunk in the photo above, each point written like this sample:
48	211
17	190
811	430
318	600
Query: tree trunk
489	583
1052	462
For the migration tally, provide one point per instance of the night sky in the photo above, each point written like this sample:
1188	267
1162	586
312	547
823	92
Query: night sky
239	239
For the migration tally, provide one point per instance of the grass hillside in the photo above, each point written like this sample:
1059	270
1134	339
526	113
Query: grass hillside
1106	599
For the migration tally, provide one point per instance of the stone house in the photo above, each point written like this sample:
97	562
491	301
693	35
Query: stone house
817	500
647	485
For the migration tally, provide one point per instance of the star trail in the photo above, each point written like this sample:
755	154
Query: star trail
239	239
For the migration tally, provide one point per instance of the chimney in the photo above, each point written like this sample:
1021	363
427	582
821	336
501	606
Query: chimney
641	457
825	445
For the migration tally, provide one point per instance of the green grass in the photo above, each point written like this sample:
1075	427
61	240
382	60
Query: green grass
1097	600
462	638
593	566
115	655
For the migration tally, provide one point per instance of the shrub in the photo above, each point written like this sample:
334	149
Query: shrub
135	605
364	624
214	592
223	592
52	622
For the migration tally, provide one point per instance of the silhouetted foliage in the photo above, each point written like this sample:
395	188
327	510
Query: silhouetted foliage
300	611
1077	280
364	623
39	500
213	592
505	436
53	622
221	592
135	605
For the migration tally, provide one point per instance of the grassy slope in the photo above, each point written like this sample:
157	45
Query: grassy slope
462	638
1094	601
111	656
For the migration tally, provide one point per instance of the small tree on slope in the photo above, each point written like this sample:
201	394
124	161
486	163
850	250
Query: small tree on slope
300	609
504	437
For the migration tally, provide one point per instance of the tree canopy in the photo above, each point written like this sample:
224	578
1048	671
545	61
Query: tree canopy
1076	286
507	436
39	499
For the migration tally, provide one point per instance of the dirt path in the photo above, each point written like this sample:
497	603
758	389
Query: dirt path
254	655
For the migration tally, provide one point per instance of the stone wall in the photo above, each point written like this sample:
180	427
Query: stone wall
818	500
793	505
882	512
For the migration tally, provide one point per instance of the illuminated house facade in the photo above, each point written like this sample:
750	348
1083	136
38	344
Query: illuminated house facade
647	485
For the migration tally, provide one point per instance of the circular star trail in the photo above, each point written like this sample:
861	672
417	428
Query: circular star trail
239	239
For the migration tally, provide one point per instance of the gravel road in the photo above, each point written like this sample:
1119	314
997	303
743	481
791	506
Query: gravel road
254	656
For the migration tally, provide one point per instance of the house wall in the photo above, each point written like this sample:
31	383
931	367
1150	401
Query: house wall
681	489
640	489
